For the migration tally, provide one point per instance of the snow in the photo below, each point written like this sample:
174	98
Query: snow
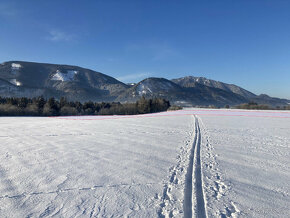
143	89
251	162
15	68
194	162
86	167
147	86
64	77
15	82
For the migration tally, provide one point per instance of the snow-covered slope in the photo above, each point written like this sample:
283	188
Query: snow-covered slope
195	162
189	81
15	68
15	82
151	87
163	88
154	85
64	77
13	89
72	82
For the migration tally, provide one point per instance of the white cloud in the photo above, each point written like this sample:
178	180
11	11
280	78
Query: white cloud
56	36
136	77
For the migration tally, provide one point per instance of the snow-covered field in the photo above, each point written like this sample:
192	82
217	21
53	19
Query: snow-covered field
195	162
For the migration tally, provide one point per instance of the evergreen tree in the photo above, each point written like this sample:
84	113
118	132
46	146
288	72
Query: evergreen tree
144	106
22	102
63	102
51	107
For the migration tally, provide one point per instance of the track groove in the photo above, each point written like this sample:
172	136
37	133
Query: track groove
194	205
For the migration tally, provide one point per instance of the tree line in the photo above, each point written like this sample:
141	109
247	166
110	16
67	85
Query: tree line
256	106
52	107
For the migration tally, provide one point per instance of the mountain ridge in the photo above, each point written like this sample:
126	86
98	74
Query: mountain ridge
82	83
31	79
188	81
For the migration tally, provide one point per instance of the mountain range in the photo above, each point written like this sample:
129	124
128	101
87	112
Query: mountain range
29	79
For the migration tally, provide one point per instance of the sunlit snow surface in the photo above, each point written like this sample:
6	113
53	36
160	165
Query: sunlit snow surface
15	82
138	166
147	87
67	76
15	68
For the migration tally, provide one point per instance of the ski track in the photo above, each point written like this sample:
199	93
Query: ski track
198	190
199	195
192	185
194	205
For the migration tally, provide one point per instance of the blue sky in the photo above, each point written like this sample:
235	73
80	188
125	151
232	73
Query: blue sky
245	42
